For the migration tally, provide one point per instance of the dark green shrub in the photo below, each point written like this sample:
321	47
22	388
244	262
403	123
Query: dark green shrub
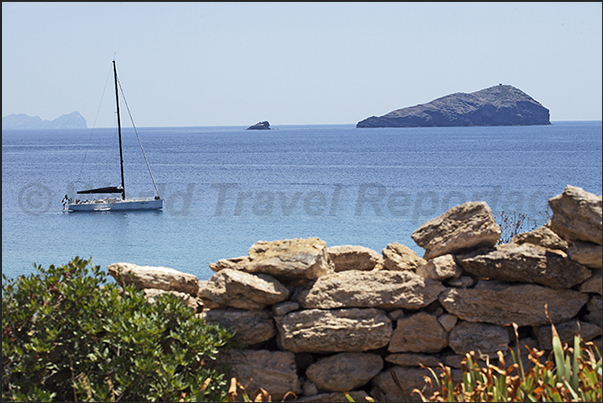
69	335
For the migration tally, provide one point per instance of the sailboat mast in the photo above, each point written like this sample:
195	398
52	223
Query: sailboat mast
121	155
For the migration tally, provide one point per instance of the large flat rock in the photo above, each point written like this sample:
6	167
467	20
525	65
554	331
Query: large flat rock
161	278
237	289
383	289
290	258
502	303
326	331
525	263
468	226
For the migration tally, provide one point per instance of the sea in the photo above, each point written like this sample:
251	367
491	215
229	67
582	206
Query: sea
225	188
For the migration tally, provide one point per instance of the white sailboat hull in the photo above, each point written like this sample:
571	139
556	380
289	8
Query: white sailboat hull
114	204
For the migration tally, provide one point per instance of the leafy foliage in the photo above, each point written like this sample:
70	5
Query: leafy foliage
68	335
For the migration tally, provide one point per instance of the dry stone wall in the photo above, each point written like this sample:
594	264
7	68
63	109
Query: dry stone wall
317	320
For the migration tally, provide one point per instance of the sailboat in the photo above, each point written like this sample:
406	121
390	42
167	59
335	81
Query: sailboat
116	203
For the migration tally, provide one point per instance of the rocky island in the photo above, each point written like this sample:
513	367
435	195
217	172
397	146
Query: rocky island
260	126
73	120
501	105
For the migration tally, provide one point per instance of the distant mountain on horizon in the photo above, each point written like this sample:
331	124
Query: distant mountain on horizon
21	121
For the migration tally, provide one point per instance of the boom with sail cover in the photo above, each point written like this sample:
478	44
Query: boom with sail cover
110	189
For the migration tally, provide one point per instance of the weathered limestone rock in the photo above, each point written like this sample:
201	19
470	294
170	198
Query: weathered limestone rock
479	337
401	257
409	378
187	299
161	278
357	396
309	388
470	225
586	253
440	268
453	360
290	258
524	263
447	321
462	282
251	327
237	263
419	333
395	314
325	331
202	285
594	310
284	308
344	371
577	215
273	371
413	360
375	289
349	257
566	331
594	284
541	236
237	289
500	303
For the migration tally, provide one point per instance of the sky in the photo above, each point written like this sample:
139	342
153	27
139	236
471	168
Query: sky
235	64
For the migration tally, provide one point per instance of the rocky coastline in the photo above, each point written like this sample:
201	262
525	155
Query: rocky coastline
318	320
501	105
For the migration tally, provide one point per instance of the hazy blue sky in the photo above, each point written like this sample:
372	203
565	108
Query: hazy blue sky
223	64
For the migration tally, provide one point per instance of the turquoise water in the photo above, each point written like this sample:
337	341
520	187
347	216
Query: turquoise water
225	188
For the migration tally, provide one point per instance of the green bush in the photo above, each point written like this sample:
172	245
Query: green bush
68	335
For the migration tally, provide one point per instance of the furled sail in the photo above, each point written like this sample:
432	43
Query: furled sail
109	189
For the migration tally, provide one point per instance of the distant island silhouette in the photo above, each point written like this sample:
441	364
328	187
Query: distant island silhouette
21	121
501	105
260	126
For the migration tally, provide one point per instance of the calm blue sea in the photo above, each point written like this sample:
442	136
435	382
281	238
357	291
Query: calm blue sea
226	188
